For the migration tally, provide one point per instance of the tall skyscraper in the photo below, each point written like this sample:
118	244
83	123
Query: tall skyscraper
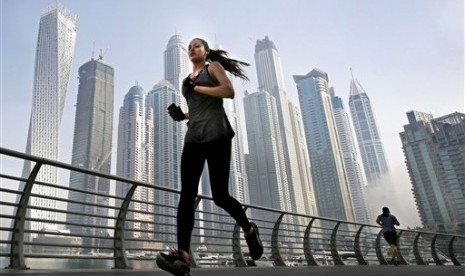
329	178
92	148
352	161
308	203
135	162
177	63
270	79
267	169
54	56
177	67
366	130
434	151
167	148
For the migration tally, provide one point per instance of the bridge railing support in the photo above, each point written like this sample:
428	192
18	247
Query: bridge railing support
289	238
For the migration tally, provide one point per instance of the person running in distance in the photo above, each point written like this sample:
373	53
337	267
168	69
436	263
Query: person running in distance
388	223
208	138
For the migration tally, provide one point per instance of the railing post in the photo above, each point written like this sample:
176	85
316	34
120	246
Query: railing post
434	253
275	254
336	258
17	238
379	253
193	261
119	247
399	252
419	260
358	252
236	246
307	248
452	253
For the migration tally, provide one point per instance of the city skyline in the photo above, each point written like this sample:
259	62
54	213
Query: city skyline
14	137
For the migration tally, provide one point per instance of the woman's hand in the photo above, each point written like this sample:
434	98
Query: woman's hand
176	113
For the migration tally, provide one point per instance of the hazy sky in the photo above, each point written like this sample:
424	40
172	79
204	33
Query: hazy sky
408	55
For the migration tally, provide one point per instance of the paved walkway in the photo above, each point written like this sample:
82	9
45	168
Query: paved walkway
373	270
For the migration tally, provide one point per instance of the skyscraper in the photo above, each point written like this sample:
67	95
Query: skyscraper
329	178
135	162
177	67
434	150
92	148
366	130
54	56
167	148
267	178
352	162
270	79
308	203
176	61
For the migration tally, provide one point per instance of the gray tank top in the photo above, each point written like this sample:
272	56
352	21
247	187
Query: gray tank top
207	119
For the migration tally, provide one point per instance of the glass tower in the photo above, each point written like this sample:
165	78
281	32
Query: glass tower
270	79
434	150
135	162
267	169
54	56
92	148
176	61
354	170
328	173
366	130
167	148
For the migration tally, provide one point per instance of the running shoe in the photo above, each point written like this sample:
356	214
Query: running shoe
254	242
175	262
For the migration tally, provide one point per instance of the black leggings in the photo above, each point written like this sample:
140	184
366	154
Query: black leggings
218	156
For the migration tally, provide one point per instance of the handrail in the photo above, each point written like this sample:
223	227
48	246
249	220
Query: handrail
288	237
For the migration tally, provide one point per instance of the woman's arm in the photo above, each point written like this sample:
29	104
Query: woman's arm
224	88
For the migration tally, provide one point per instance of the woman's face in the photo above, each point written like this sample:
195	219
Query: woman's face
197	51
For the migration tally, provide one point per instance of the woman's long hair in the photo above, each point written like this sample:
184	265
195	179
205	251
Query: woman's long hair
231	65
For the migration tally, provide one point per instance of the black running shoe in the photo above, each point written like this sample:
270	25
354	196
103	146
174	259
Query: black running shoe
174	263
254	242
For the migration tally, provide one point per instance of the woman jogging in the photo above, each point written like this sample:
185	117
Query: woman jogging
388	222
208	138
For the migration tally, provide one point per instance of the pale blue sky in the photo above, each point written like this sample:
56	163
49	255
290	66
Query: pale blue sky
408	55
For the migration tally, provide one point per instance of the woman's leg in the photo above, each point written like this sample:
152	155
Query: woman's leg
192	163
218	159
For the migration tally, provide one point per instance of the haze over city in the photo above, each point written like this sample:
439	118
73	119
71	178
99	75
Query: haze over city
408	55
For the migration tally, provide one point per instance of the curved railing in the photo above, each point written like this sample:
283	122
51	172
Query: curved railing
289	239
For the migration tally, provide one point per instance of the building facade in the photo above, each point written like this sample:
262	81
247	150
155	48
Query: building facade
366	130
135	162
352	161
434	150
54	56
177	63
167	149
327	165
270	79
307	204
267	169
92	149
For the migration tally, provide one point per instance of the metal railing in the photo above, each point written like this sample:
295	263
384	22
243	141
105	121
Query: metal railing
135	230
